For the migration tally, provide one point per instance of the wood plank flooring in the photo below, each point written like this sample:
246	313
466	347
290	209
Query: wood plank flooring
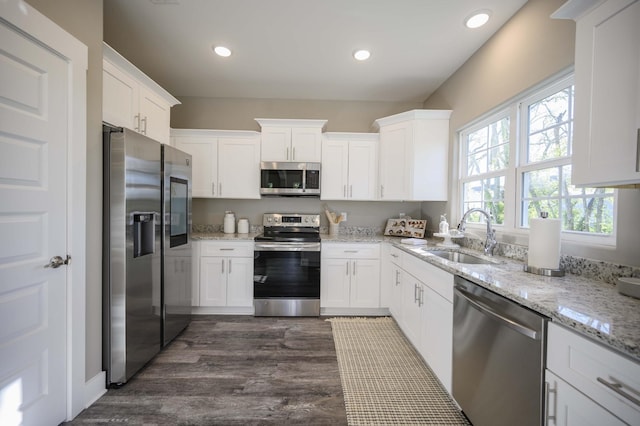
234	370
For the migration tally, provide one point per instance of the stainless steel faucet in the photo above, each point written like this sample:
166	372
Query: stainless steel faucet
490	243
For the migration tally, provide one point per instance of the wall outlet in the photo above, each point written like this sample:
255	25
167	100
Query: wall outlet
344	216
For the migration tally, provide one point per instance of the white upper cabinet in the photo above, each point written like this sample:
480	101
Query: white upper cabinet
291	140
226	163
606	147
413	156
131	99
349	166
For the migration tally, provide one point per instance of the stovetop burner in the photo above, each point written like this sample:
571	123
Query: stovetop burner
290	227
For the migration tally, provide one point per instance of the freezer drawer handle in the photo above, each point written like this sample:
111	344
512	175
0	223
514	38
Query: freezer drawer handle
617	388
506	321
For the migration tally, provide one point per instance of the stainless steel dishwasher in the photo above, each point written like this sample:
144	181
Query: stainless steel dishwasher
498	358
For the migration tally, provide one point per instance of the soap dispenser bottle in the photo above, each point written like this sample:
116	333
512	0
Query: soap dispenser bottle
444	225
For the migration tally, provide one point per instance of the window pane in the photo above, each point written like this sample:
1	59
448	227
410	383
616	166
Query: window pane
541	183
477	163
531	209
548	144
477	140
586	209
487	194
550	126
488	148
499	158
594	215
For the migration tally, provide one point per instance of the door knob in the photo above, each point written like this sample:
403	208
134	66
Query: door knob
57	261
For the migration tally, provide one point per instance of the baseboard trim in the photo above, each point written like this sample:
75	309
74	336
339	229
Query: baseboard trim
94	388
375	312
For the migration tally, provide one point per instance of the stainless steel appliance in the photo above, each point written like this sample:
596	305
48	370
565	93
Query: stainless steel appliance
287	266
498	358
176	242
290	179
133	249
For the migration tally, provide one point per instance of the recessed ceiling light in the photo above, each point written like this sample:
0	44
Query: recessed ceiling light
361	55
222	51
477	19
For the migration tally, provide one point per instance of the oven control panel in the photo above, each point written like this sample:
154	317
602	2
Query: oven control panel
291	220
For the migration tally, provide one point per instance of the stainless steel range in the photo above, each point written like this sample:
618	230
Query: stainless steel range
287	266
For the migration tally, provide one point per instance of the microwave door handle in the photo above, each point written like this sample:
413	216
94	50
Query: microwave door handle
304	179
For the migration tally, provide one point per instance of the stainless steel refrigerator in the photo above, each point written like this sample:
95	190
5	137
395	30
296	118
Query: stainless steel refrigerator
144	235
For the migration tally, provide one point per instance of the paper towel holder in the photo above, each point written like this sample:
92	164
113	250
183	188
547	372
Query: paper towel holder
544	271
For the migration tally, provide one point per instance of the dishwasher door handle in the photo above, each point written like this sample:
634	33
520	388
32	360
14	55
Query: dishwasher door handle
522	329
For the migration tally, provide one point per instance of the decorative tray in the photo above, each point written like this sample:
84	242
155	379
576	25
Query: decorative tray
405	227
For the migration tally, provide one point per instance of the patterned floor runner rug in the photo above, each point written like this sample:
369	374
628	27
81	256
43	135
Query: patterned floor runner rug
384	380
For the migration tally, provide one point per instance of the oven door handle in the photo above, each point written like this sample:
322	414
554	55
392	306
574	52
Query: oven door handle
287	247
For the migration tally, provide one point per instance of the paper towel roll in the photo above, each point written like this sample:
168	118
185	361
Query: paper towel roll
544	243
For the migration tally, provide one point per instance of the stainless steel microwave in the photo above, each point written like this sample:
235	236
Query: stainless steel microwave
289	178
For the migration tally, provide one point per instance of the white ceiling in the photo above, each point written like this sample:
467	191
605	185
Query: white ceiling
300	49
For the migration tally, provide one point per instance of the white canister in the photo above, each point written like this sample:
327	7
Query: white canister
229	222
243	226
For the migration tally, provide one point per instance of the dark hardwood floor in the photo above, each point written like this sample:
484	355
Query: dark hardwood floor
234	370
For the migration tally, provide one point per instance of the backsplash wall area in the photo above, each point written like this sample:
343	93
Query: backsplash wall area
369	215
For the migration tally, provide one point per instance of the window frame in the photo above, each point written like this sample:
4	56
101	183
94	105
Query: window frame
517	111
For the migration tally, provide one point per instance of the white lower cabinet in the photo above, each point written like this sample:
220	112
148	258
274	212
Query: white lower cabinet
394	281
436	337
587	383
350	276
422	305
569	407
226	277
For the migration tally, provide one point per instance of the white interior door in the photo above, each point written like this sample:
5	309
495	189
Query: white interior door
33	229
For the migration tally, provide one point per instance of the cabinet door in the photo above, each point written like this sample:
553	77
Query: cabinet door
155	116
238	168
213	281
119	98
363	170
276	144
335	170
395	302
306	144
205	164
411	315
607	112
437	334
569	407
334	283
393	173
365	283
240	281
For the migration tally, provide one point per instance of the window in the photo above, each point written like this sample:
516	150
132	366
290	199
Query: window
486	153
517	178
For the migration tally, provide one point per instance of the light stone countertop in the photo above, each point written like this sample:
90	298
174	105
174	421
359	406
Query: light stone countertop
590	307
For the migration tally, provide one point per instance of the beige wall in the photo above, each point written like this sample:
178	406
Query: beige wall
530	48
83	20
239	114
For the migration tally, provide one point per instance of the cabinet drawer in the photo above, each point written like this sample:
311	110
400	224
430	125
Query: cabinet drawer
226	248
435	278
589	366
350	251
396	256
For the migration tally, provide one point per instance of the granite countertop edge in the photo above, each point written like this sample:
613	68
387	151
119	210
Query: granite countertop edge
590	307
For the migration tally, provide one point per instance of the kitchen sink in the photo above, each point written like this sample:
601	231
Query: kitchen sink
455	256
